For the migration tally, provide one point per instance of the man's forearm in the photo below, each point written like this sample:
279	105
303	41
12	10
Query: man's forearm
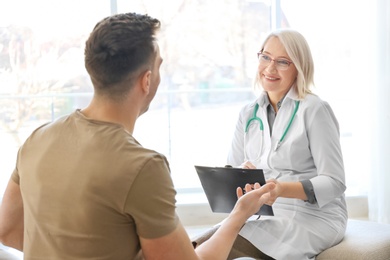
11	217
14	240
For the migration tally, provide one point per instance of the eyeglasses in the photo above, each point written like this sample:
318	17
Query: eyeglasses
280	64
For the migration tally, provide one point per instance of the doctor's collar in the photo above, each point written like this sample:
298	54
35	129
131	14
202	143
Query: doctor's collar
279	104
292	93
263	99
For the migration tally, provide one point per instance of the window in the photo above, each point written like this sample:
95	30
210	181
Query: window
42	74
209	50
208	69
340	33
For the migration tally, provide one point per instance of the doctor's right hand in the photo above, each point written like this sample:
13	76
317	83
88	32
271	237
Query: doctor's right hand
247	165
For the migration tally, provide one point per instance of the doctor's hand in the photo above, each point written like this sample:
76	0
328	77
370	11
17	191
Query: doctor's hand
255	196
247	165
275	193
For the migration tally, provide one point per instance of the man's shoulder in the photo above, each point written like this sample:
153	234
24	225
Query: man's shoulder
143	155
46	127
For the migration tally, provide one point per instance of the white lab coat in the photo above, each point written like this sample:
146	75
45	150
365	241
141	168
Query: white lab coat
311	150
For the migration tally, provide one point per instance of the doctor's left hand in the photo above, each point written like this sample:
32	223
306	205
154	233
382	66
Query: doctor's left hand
275	193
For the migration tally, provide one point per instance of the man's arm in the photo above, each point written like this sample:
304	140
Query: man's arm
177	244
11	217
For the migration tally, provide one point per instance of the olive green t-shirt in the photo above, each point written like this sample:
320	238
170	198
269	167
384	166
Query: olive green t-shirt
90	190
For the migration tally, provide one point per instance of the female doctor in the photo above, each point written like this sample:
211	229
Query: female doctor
293	136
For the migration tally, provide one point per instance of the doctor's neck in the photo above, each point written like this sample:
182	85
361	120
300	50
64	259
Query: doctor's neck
276	100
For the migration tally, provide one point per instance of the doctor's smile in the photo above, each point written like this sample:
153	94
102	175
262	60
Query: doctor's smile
270	78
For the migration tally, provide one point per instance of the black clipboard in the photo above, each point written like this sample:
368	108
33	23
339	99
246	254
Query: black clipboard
220	184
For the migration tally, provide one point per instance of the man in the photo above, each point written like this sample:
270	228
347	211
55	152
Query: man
84	188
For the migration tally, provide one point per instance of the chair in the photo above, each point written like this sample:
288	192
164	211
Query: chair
363	240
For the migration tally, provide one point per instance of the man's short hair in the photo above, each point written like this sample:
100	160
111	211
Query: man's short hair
117	48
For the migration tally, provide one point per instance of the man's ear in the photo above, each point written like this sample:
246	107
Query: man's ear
145	81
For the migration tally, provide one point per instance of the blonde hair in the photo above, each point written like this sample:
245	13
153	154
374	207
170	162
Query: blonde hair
299	52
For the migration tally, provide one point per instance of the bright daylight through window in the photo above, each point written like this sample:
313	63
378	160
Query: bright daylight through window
210	59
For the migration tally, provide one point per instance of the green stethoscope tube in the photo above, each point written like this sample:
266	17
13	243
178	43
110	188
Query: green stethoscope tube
261	125
289	124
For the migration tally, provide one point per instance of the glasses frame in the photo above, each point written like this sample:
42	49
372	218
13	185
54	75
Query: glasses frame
276	64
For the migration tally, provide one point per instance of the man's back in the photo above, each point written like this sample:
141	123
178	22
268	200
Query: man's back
85	187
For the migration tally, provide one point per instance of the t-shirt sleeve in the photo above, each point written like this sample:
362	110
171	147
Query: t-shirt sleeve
151	200
15	174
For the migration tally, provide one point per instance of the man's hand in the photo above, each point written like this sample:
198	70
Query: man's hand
255	196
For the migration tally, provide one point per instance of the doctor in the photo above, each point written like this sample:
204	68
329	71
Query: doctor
294	136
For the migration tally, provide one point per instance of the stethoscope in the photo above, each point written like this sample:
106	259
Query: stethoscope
256	118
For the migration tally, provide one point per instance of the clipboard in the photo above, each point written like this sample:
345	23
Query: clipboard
220	184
